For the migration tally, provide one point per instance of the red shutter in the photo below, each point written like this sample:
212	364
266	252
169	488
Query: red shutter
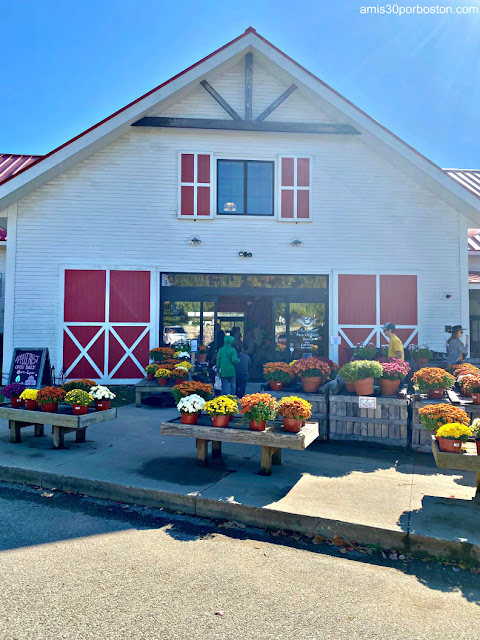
195	184
295	188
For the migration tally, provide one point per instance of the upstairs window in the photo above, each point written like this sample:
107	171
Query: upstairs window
245	187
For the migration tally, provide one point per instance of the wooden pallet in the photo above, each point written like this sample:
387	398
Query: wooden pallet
386	425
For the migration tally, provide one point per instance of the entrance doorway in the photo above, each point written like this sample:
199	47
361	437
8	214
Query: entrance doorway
278	317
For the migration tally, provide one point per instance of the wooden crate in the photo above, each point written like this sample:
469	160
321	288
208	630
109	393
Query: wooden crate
385	425
319	402
421	437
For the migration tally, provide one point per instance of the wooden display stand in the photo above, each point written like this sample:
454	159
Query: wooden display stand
467	461
62	422
149	388
271	441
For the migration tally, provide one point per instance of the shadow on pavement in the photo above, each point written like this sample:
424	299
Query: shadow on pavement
34	520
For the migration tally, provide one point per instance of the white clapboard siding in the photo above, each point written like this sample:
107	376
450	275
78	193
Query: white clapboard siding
119	208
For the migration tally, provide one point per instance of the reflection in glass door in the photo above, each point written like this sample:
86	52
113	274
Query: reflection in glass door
300	330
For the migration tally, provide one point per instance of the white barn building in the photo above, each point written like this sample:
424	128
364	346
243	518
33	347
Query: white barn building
243	191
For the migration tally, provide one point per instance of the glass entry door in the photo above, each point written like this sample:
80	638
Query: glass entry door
300	330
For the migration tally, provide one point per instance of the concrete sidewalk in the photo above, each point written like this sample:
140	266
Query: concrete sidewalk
396	498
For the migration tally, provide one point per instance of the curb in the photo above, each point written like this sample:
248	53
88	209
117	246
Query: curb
263	518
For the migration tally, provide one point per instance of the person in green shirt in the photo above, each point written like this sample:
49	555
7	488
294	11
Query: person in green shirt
395	346
226	361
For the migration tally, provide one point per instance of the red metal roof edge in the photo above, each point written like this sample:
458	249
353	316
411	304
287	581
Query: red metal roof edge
247	31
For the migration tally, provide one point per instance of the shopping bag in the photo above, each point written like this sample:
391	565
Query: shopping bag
218	383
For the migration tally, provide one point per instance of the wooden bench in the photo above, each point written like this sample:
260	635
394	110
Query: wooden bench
271	441
148	388
62	422
467	461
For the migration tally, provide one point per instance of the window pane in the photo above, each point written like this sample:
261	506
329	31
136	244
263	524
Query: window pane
230	178
201	280
181	321
287	282
260	188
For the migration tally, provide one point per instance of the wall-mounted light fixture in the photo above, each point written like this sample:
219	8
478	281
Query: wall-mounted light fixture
296	243
245	254
195	241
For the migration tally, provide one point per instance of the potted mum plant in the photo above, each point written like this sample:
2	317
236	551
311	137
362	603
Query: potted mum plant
190	387
450	436
30	398
102	396
433	416
162	375
294	412
220	409
190	408
476	433
14	391
277	374
346	372
471	384
185	364
201	353
49	398
364	351
150	371
257	409
312	371
85	384
421	354
179	374
393	372
159	354
459	370
79	401
182	354
364	373
462	380
433	381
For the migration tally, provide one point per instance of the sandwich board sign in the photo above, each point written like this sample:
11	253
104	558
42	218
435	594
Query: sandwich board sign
31	367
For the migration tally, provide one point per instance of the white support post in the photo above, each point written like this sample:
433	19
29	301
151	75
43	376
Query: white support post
9	287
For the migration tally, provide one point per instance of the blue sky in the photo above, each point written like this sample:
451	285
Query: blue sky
66	65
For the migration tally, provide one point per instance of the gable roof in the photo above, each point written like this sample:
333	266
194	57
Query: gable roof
44	168
10	165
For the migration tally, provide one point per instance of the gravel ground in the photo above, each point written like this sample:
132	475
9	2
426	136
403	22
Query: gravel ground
74	568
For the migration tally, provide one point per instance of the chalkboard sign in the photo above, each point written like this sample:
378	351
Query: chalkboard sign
31	367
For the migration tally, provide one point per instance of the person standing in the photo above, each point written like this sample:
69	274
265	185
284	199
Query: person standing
395	346
226	361
456	350
241	372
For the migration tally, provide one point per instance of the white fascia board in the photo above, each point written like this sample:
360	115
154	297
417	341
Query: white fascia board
78	150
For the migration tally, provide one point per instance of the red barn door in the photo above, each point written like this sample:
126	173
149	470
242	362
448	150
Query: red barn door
107	324
367	301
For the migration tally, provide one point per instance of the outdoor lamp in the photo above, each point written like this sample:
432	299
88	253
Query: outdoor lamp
195	241
296	243
229	206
